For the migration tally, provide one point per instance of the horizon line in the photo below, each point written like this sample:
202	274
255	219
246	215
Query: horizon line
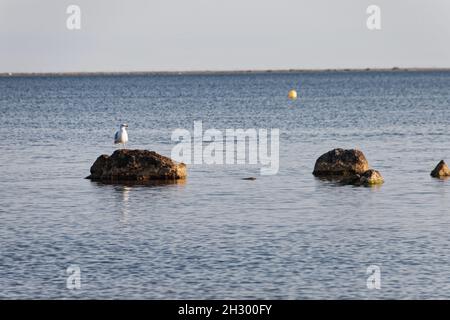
212	72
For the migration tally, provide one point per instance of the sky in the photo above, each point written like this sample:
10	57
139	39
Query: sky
198	35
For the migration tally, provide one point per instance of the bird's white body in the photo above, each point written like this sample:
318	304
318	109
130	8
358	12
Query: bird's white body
121	136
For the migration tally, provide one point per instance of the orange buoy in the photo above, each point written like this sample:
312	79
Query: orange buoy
292	95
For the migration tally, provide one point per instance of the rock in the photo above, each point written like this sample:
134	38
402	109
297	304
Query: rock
136	165
371	177
441	170
340	162
346	167
249	178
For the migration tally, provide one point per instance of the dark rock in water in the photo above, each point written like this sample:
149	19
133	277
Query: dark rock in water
340	162
249	178
136	165
441	170
371	177
346	167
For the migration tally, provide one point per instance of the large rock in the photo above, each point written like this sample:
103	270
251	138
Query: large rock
340	162
441	170
136	165
347	167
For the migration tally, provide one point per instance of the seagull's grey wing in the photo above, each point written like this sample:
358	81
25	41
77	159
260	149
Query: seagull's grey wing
116	137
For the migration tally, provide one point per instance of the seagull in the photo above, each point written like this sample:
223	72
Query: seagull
121	136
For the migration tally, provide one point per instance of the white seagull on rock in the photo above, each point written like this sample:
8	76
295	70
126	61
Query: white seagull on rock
121	136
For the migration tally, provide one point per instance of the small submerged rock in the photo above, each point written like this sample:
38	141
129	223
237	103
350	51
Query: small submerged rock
347	167
371	177
441	170
136	165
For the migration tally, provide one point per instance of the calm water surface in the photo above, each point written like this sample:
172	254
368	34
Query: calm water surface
286	236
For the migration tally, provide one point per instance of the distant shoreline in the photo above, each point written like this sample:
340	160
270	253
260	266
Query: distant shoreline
214	72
